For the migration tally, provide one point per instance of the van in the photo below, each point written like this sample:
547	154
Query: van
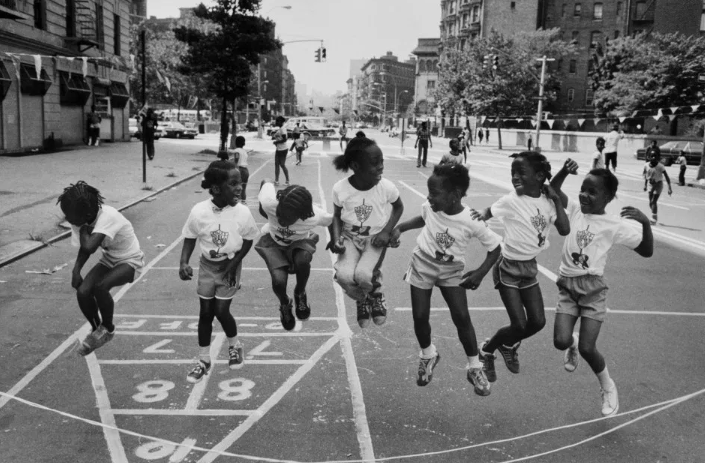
320	121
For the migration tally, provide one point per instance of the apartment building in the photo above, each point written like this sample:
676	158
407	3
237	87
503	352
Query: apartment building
387	85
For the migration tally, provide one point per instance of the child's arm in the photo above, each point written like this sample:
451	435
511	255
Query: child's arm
570	167
185	270
485	214
562	222
261	210
473	278
231	268
646	247
668	179
416	222
382	238
335	245
89	243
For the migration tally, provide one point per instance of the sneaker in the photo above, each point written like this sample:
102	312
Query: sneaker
571	358
379	310
511	357
94	340
276	183
478	379
363	313
610	401
303	310
287	183
426	366
488	364
286	317
199	371
235	355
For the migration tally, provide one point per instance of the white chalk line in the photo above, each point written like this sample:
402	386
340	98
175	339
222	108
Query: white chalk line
313	269
553	309
195	317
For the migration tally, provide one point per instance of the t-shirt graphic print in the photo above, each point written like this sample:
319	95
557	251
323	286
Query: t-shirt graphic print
220	239
362	212
540	223
583	238
444	241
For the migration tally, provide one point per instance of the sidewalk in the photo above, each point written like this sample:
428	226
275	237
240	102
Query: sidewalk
30	185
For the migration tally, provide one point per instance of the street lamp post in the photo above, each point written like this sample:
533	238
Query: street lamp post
396	107
540	108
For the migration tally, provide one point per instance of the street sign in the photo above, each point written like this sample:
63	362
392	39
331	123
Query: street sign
701	78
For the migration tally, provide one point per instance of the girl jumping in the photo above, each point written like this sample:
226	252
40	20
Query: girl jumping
366	209
224	230
582	289
527	213
95	225
439	260
300	144
288	243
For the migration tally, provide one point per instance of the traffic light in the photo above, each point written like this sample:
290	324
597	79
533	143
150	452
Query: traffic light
485	61
323	54
318	55
495	62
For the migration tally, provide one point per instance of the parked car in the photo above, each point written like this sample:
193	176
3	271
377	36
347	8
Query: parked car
672	149
173	129
310	129
136	130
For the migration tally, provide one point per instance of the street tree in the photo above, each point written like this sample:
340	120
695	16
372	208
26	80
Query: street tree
472	81
224	56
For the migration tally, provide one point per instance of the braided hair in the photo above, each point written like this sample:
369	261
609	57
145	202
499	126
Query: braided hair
295	202
455	176
81	199
537	161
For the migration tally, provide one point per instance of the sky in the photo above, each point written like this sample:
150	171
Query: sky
350	29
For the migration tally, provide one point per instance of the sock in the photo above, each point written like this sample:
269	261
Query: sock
575	340
204	353
234	341
513	346
474	361
606	382
428	352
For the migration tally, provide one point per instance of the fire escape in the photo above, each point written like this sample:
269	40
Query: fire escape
13	9
643	16
87	30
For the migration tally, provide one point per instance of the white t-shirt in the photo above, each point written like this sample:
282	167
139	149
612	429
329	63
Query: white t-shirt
242	153
281	133
654	174
120	242
611	141
527	222
365	212
590	239
343	131
450	158
447	237
598	160
299	230
220	232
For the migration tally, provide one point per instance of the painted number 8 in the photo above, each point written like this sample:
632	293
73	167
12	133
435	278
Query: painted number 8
153	391
236	389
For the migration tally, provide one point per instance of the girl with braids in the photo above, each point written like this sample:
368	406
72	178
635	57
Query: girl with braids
288	243
95	225
366	209
528	213
224	230
439	260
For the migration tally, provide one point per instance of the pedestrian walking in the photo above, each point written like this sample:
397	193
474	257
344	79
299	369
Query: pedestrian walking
240	158
530	142
93	122
582	289
95	225
683	163
343	132
367	207
149	126
528	213
439	260
598	160
453	157
480	136
652	149
654	176
288	243
611	145
487	136
279	137
224	231
300	144
423	139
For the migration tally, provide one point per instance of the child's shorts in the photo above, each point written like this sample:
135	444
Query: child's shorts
519	274
583	296
657	188
425	272
212	282
278	256
136	262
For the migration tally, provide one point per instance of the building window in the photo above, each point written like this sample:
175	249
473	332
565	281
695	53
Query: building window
571	95
595	39
597	12
422	66
117	36
702	21
575	37
70	18
265	74
451	7
589	97
99	25
476	13
431	85
619	8
577	10
465	20
40	14
564	9
616	34
462	43
573	66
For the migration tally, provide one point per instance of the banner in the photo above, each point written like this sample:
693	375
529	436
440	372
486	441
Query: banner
550	122
321	109
84	67
581	122
38	66
622	119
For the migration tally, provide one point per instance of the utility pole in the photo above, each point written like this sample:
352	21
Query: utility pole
539	113
143	38
259	102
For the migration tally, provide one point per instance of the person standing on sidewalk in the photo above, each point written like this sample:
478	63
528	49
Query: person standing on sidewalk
343	131
480	136
598	160
611	144
280	136
149	126
94	121
683	162
423	139
487	135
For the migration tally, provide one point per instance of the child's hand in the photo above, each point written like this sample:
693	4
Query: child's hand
76	280
472	280
670	190
394	238
231	274
336	247
629	212
480	215
185	272
382	239
550	193
571	166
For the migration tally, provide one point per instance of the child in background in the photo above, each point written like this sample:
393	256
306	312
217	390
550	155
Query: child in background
683	163
439	260
299	145
582	289
367	207
528	213
95	225
240	156
224	231
288	243
654	176
454	156
598	160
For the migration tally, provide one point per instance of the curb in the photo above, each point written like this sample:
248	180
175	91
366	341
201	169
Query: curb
4	260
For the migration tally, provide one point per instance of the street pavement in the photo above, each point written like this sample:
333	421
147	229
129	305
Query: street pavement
329	391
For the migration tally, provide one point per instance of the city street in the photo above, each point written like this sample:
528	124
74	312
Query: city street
330	391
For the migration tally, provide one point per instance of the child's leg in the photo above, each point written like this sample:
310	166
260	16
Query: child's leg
280	277
86	299
205	327
587	346
282	163
277	160
221	310
421	310
244	176
116	276
345	271
302	261
457	301
509	335
563	327
368	273
653	202
533	304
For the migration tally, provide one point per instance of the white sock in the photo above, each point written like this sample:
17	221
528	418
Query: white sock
204	353
606	382
429	352
234	341
575	340
474	361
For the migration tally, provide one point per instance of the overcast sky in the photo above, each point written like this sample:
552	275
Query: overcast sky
351	29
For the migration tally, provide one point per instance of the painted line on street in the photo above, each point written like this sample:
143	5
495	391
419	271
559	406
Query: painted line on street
189	361
313	269
199	389
169	412
553	309
195	317
244	335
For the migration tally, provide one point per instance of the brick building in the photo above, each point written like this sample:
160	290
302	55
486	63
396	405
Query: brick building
427	56
385	81
57	58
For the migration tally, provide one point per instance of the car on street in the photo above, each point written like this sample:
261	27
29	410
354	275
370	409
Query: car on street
309	130
672	149
136	130
173	129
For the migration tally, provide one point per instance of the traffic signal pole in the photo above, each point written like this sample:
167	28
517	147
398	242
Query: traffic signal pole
539	112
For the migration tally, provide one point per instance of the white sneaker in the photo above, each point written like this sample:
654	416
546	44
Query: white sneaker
610	401
571	358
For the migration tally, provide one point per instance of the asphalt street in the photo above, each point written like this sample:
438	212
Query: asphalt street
330	391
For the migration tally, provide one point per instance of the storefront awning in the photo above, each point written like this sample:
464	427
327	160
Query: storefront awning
74	89
119	96
5	81
30	84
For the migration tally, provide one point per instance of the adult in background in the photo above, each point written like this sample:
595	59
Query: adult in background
149	126
279	137
480	136
652	149
94	120
487	135
423	139
611	144
343	131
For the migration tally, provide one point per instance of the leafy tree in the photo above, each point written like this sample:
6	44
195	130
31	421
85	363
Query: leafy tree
469	84
224	56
